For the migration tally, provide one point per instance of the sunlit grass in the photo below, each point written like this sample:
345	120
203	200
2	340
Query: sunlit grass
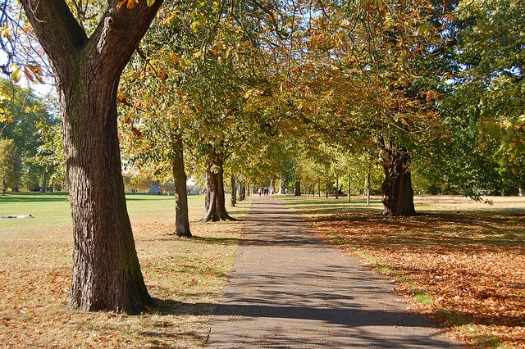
184	276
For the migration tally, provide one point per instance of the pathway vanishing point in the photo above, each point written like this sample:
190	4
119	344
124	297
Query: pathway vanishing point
289	289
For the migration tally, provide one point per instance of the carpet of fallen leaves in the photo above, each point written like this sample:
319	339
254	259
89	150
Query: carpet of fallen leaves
470	265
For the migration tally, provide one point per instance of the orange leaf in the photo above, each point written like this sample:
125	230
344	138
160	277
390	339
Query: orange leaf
131	4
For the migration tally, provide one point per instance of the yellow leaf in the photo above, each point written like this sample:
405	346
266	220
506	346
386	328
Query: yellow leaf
15	75
248	94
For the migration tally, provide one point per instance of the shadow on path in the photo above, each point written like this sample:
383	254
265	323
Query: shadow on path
291	290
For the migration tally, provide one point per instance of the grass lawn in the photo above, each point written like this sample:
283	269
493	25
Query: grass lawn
184	275
459	260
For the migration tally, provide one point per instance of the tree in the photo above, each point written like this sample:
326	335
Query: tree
490	50
368	75
153	126
398	195
483	106
215	202
106	270
27	116
50	155
182	222
10	165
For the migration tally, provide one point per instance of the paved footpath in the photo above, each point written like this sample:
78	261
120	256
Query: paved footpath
291	290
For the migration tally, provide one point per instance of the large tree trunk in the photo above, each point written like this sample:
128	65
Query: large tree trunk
297	188
398	195
215	202
182	220
106	270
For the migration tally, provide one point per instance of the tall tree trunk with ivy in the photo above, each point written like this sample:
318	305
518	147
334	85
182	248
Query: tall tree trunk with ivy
398	195
106	272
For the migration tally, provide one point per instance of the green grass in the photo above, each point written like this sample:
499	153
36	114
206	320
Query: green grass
54	210
422	296
49	210
184	276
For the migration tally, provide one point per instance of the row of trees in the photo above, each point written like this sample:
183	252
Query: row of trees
292	92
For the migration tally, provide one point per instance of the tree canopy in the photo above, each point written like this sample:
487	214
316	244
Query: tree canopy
304	93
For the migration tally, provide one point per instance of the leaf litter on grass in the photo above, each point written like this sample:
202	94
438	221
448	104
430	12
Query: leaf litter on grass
184	276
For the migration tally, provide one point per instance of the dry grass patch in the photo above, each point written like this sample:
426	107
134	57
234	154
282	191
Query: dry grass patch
463	260
185	276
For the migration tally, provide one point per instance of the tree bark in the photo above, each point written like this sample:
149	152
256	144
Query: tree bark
242	192
349	185
398	195
234	190
367	184
44	181
337	185
182	220
106	272
297	188
215	202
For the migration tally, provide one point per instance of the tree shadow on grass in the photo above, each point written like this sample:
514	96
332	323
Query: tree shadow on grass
452	229
216	240
35	197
